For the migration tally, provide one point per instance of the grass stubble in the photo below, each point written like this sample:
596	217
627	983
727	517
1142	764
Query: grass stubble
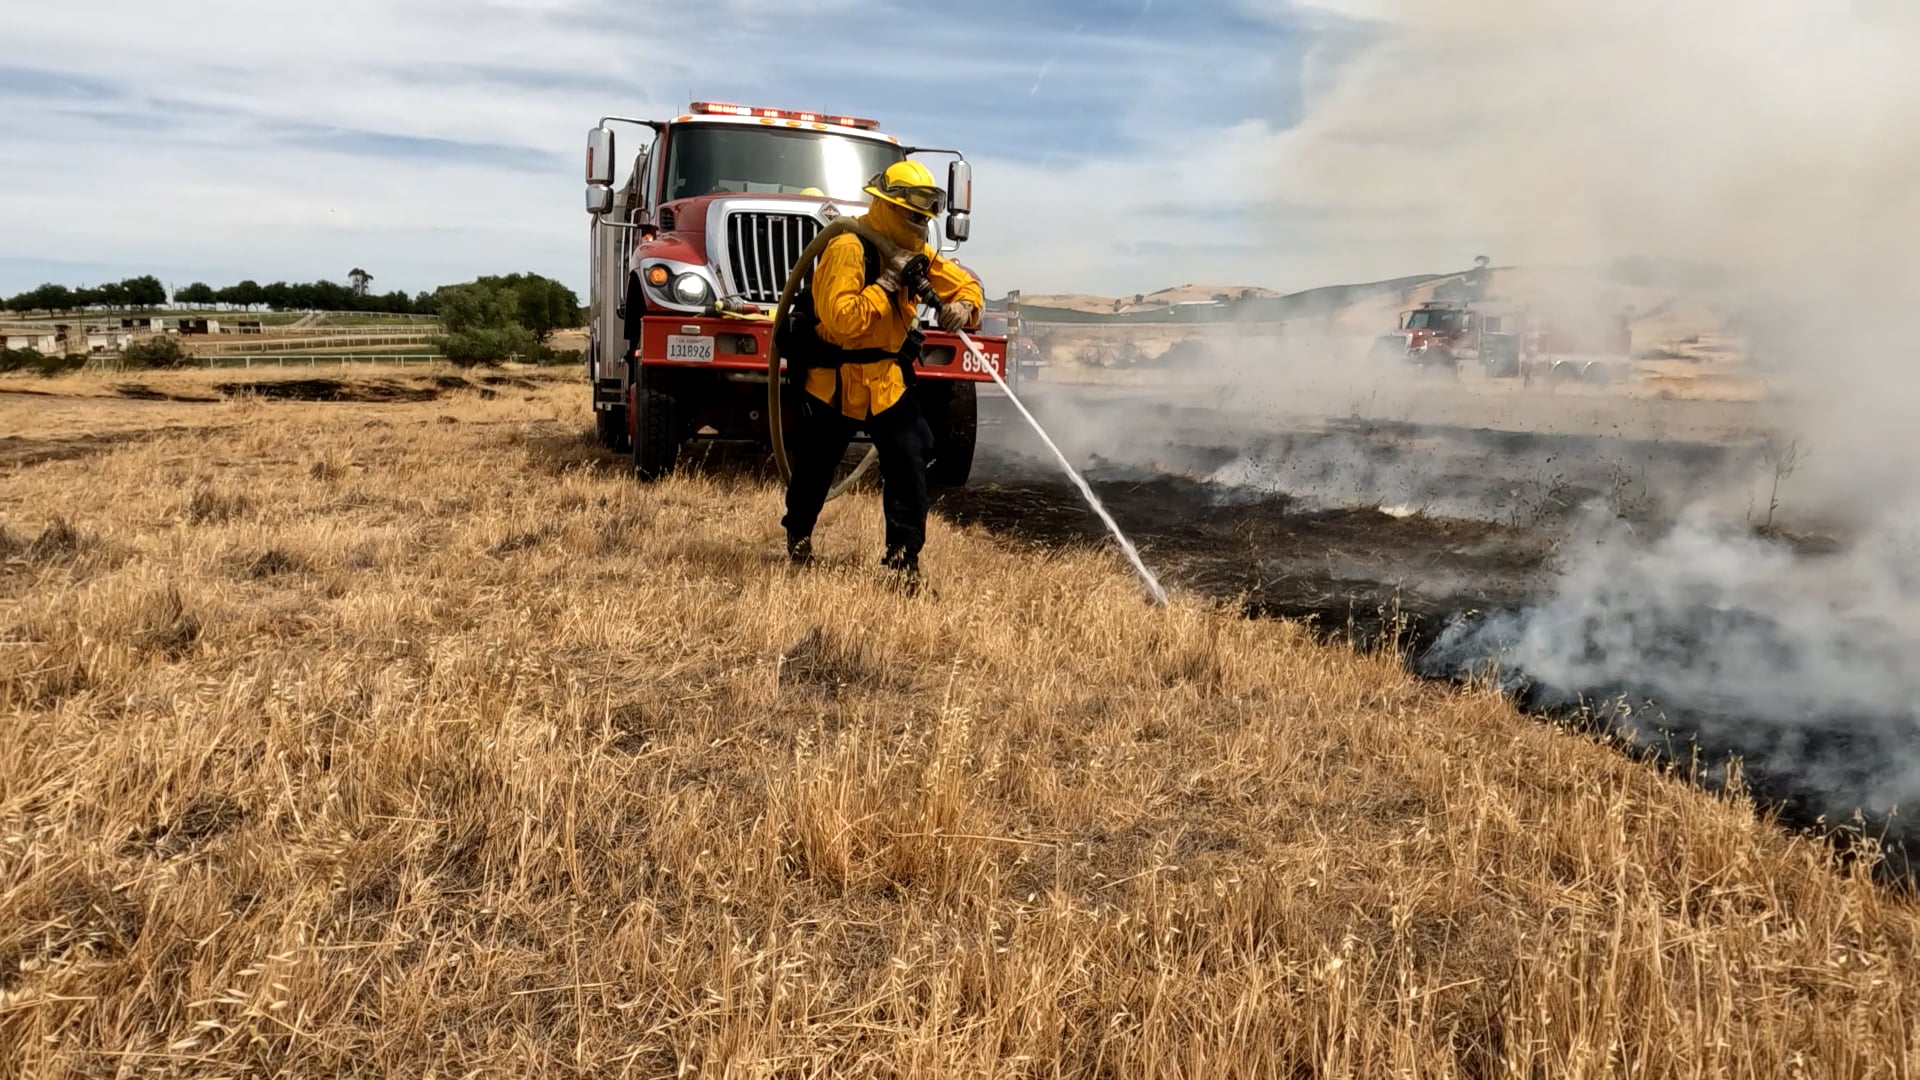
416	739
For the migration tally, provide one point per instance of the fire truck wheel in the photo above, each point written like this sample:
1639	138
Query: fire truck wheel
953	412
611	425
656	438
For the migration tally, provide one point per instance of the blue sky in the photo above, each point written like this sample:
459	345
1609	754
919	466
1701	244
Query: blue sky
1119	145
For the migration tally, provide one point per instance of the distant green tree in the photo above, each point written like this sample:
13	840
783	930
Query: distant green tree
544	305
359	279
327	295
199	293
244	295
482	322
49	298
144	291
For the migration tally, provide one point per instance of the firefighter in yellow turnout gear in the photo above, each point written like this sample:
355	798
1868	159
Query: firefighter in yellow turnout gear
865	308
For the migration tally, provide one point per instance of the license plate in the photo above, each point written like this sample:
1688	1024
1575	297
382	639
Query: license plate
689	347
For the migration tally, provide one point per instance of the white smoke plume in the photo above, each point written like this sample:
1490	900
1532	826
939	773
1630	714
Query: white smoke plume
1765	147
1777	140
1802	665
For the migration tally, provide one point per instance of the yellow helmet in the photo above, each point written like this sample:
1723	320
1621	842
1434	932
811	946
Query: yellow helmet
908	185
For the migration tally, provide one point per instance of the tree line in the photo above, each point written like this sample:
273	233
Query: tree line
320	295
146	291
486	320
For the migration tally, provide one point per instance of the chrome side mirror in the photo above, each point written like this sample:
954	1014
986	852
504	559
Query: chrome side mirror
599	199
959	200
600	156
960	187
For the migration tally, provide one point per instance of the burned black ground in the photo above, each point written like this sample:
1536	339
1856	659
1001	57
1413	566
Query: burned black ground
1274	540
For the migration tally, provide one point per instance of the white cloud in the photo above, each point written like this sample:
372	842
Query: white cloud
1760	134
218	166
215	162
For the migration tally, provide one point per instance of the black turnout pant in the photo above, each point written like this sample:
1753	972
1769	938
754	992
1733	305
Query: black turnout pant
901	435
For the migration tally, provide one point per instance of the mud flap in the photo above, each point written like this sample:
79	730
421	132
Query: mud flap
953	412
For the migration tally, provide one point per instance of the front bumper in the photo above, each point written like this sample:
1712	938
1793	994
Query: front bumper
741	345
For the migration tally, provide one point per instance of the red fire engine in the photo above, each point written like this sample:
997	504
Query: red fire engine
690	253
1508	339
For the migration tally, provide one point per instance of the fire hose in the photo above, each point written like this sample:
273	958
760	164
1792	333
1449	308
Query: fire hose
776	401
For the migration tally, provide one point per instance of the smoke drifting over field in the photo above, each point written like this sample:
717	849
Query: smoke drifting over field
1777	139
1803	666
1772	142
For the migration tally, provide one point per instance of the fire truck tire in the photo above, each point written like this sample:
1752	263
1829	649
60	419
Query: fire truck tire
656	430
953	412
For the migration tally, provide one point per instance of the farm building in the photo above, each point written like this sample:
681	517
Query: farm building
199	326
104	341
36	340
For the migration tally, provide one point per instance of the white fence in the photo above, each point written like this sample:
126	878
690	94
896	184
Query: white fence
402	360
305	342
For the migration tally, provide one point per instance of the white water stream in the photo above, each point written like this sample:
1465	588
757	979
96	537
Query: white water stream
1126	545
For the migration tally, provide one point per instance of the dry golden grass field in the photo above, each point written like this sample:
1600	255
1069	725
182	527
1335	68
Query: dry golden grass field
411	738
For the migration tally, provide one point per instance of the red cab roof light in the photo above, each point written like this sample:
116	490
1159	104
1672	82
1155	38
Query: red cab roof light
716	108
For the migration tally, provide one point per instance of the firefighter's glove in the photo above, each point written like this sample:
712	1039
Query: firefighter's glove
900	270
956	316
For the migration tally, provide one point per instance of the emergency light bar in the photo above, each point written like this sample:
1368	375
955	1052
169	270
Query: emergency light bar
715	108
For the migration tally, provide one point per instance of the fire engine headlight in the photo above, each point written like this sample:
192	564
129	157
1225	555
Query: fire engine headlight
692	290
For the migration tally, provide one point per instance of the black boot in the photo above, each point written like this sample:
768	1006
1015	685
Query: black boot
800	550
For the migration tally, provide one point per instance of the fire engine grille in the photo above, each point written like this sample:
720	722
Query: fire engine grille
762	248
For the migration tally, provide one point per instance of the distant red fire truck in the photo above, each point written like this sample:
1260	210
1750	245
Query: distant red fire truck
1506	340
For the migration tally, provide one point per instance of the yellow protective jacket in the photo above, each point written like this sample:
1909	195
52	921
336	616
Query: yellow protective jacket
857	316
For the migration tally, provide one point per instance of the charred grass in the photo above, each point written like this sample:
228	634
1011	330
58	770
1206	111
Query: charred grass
411	752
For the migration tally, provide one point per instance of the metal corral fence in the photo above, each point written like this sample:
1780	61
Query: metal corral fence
327	330
281	360
307	342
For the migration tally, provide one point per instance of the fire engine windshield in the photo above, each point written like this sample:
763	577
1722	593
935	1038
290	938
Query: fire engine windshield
720	160
1447	321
